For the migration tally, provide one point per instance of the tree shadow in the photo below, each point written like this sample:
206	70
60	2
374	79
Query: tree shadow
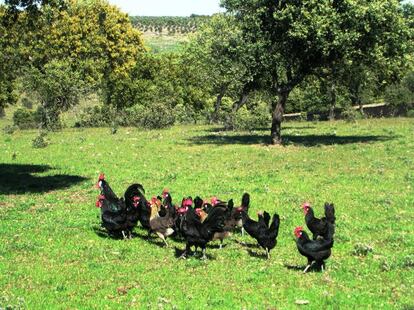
18	179
303	140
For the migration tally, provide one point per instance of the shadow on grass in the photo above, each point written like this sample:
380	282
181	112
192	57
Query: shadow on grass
179	252
304	140
302	267
248	245
18	179
257	254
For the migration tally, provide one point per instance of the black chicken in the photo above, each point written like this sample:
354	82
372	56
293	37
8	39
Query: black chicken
230	223
266	236
113	210
135	204
319	227
197	233
316	251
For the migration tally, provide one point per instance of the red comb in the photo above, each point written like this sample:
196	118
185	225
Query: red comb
101	177
306	205
214	201
187	202
298	231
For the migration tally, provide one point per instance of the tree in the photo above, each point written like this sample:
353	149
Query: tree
58	87
93	38
300	37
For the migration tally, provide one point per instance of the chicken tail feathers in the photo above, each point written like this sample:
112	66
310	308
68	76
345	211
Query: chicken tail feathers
245	201
330	212
274	226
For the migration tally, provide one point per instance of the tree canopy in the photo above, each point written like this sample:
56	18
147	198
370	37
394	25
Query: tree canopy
300	37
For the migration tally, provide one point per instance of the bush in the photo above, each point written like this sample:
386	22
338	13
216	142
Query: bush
26	103
9	129
40	142
399	97
251	120
26	119
362	249
97	116
155	116
410	113
351	115
185	114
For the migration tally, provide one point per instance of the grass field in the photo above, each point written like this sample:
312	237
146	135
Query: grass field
164	42
52	255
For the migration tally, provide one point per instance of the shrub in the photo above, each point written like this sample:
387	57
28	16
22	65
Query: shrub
9	129
26	119
351	115
26	102
245	119
97	116
155	116
362	249
399	97
410	113
40	142
185	114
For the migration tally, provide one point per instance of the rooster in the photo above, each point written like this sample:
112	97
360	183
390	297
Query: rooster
230	222
319	227
113	209
265	235
316	251
135	203
197	233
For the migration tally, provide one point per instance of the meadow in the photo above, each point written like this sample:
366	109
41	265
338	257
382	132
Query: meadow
54	255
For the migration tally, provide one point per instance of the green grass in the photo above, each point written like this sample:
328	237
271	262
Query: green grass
164	42
52	257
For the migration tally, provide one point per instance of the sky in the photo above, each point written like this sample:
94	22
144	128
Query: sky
168	7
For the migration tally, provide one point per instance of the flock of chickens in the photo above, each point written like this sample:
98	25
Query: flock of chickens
198	222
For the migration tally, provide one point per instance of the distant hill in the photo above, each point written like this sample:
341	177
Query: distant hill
169	25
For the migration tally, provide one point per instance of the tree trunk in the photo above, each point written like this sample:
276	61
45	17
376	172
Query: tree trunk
242	100
218	104
277	116
333	103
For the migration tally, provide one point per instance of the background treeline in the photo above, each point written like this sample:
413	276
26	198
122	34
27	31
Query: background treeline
88	59
169	24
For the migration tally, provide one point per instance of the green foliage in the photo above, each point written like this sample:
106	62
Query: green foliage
168	24
58	87
362	249
410	113
26	119
100	116
9	129
401	96
154	116
351	115
40	142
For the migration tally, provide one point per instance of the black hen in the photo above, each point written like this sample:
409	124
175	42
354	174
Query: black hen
266	236
245	203
197	233
113	210
316	251
319	227
136	204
